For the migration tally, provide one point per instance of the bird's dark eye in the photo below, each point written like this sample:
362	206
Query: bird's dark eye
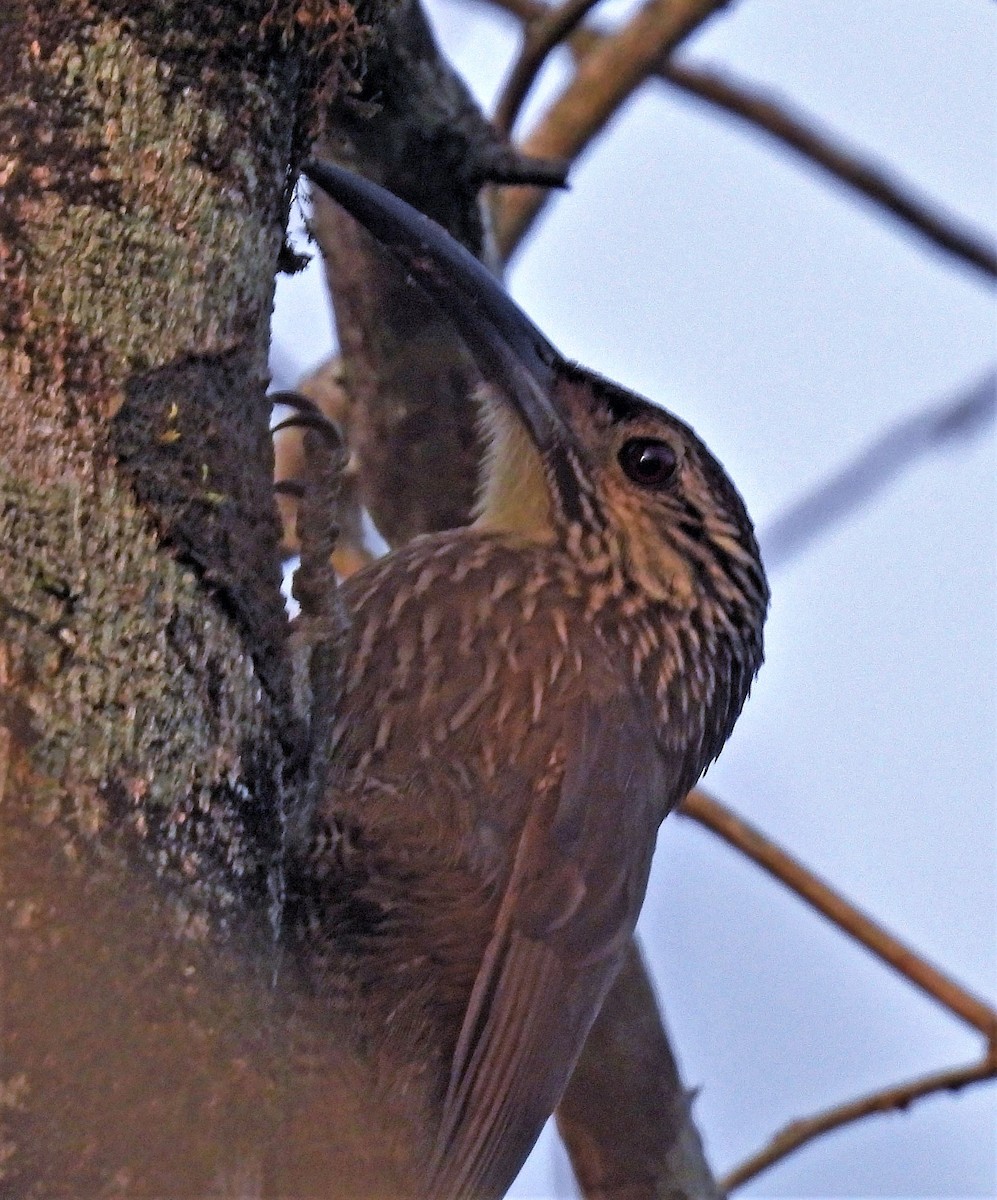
649	462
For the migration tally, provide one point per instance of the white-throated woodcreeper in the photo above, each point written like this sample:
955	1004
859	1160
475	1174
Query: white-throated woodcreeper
522	702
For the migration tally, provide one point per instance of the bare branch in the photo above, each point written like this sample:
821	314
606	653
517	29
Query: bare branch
891	453
893	1099
751	842
540	37
799	132
719	819
625	1117
606	77
804	135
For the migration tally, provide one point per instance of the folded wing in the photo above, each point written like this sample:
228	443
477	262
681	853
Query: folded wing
571	903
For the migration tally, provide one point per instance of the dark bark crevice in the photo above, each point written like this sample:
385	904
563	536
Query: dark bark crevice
193	440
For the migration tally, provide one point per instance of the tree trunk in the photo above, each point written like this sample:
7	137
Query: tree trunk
148	745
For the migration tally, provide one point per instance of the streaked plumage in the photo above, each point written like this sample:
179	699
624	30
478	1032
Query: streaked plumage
523	701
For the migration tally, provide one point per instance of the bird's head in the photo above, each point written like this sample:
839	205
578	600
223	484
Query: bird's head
630	491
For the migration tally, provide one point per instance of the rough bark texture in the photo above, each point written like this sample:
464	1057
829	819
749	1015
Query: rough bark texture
145	704
143	212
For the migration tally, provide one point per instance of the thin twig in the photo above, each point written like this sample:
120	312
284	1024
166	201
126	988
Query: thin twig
540	37
605	78
893	1099
800	132
803	134
751	842
892	452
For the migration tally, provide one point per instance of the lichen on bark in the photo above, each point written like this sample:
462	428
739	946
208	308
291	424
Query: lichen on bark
146	711
149	749
148	151
137	284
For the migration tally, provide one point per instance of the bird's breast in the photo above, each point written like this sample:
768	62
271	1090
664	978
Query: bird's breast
464	660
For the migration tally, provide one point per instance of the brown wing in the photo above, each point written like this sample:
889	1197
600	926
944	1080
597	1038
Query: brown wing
571	904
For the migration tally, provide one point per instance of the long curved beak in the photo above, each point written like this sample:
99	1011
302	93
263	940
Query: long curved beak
510	350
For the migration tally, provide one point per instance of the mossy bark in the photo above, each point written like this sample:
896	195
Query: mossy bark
148	743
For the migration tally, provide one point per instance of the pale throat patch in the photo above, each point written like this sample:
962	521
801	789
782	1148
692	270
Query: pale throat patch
513	495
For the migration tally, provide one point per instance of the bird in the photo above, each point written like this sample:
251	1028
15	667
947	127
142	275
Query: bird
521	701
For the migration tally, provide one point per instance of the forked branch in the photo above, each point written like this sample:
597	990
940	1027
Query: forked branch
605	78
726	824
766	113
540	36
893	1099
